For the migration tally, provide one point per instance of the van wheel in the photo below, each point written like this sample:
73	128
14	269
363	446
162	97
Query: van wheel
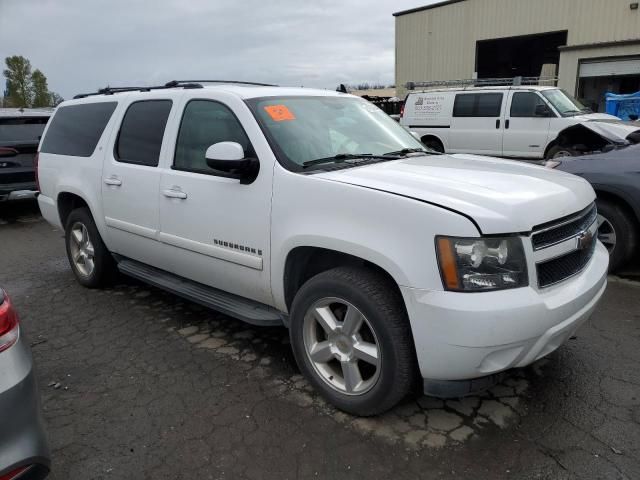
351	339
434	144
91	262
617	231
561	152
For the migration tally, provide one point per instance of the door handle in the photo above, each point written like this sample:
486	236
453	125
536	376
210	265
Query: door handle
174	193
506	124
498	123
113	180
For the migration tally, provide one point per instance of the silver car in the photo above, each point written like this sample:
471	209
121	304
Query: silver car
24	453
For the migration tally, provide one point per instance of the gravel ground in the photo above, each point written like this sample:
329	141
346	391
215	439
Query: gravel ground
156	387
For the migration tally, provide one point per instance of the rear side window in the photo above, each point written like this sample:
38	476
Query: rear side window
76	129
141	132
523	104
204	123
21	130
477	105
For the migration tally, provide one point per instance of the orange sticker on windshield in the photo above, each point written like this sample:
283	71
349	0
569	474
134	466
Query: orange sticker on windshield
279	113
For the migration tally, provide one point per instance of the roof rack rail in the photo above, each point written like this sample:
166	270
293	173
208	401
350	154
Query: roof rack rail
179	83
486	82
171	84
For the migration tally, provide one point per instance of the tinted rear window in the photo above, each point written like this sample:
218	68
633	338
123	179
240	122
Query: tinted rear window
141	133
76	129
21	130
478	105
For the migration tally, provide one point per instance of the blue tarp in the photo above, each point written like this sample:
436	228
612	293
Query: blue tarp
623	105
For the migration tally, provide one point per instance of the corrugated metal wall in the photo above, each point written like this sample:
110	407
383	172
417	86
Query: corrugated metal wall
440	43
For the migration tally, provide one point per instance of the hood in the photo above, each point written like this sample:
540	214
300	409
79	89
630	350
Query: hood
501	196
624	161
614	131
595	116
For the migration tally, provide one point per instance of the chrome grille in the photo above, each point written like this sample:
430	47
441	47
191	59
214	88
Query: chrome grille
559	269
563	248
560	230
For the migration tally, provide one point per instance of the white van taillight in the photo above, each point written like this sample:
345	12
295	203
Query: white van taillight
402	109
35	166
8	323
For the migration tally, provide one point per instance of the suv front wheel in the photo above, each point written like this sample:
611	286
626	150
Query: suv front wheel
351	338
88	256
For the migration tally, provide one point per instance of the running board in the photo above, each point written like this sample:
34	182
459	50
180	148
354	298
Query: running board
233	305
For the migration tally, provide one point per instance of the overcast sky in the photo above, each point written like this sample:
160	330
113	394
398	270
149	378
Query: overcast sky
82	45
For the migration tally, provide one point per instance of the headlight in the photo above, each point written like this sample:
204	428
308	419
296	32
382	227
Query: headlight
481	264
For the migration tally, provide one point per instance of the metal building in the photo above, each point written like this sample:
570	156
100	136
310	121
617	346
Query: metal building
593	46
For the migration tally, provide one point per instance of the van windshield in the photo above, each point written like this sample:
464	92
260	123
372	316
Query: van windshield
313	130
564	103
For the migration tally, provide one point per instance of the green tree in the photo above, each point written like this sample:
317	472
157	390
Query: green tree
41	96
55	99
18	75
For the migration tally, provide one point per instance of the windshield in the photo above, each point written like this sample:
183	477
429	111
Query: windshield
308	130
21	130
564	103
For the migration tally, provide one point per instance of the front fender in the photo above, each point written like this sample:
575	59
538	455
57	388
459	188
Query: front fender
393	232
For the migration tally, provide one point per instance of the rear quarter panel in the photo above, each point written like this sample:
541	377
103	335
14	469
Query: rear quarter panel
81	176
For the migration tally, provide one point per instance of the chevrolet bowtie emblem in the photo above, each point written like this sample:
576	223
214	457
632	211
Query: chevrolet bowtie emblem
584	240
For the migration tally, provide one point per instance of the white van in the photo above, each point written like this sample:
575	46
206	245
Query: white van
514	121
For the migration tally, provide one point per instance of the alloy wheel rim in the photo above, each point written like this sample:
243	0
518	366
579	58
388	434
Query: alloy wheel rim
562	154
342	346
82	251
606	233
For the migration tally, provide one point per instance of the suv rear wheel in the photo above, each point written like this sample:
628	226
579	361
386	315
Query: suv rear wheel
351	338
88	256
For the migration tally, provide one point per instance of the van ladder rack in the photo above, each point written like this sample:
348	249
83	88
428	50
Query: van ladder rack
486	82
171	84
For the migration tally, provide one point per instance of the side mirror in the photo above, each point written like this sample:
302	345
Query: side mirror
542	111
229	157
6	152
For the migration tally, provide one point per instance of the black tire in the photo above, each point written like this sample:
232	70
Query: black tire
559	152
625	230
433	144
104	269
383	307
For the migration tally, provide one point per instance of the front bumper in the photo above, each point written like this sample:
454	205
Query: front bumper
462	336
22	436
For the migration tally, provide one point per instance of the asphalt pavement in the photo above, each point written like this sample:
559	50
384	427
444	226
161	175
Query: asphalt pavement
151	386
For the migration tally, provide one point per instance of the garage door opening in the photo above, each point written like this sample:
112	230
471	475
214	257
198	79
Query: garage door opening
519	56
615	75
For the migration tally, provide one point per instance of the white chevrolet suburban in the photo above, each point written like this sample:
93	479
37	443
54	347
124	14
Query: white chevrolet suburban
314	210
532	122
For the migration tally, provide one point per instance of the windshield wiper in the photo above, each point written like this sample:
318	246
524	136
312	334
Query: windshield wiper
342	157
407	151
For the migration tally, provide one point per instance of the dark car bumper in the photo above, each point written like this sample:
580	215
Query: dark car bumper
17	183
23	442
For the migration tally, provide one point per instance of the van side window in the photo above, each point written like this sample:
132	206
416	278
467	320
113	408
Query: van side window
523	104
141	132
477	105
205	122
76	129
